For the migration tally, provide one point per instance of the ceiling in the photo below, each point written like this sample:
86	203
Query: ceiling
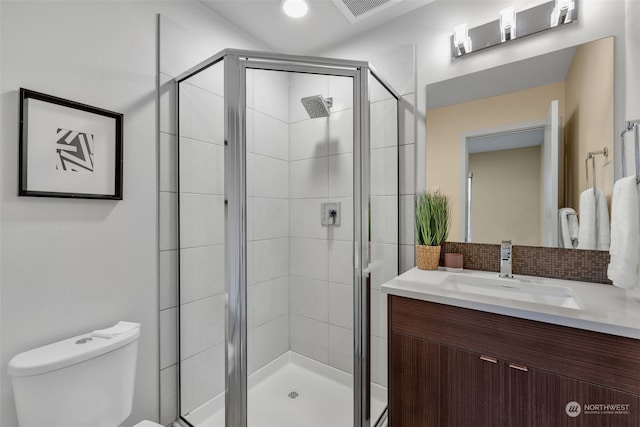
323	27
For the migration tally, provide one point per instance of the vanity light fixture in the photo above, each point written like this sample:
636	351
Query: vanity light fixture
508	24
528	21
461	39
562	12
295	8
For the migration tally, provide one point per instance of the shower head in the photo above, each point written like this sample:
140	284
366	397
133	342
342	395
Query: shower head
317	106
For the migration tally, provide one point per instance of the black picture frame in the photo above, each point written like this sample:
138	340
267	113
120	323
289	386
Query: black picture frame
68	149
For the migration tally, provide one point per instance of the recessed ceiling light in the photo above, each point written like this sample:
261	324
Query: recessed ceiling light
295	8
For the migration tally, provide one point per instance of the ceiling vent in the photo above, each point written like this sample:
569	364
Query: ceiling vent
357	10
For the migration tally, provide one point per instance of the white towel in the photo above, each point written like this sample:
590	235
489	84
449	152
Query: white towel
587	235
603	230
117	329
568	228
624	266
594	220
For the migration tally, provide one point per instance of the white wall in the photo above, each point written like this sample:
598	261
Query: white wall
2	377
431	26
633	60
70	266
632	73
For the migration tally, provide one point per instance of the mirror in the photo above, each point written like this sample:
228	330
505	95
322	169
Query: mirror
517	145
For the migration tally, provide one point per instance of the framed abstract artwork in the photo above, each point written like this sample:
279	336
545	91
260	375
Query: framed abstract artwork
68	149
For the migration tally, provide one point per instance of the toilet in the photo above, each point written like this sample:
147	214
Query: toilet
87	380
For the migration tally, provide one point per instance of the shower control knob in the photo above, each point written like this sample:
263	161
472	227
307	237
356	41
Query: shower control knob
330	213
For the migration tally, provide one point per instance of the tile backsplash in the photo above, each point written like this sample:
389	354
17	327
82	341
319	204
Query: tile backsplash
557	263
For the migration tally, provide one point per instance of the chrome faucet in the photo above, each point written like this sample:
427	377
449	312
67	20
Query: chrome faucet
505	259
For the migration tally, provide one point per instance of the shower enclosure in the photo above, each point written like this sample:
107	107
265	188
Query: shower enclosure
288	225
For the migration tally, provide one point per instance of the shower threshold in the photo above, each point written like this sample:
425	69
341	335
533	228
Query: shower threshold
294	391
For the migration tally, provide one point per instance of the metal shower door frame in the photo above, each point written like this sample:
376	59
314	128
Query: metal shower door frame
236	62
236	404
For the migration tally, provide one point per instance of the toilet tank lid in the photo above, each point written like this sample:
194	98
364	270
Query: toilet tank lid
66	353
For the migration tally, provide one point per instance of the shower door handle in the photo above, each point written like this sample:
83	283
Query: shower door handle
371	267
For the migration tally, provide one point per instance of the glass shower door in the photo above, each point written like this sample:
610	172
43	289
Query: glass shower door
383	231
288	225
202	249
299	130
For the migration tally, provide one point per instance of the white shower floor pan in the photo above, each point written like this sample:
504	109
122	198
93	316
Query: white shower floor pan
295	391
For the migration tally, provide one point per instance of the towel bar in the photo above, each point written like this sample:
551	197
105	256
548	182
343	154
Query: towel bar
632	125
591	155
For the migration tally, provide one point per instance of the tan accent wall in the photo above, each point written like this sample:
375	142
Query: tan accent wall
446	125
506	196
589	117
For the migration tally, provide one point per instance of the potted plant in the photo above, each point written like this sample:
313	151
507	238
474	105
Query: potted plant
433	217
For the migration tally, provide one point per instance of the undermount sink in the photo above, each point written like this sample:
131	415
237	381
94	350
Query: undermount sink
513	289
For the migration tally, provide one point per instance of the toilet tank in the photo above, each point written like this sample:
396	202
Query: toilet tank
82	381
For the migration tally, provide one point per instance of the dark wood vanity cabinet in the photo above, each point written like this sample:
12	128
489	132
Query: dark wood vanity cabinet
455	367
436	385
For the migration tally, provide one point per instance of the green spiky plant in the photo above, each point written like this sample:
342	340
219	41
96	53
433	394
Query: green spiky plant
433	217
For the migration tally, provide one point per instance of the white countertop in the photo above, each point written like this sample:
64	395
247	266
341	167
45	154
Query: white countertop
605	308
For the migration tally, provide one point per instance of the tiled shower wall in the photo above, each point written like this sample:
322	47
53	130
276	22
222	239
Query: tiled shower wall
407	176
384	218
202	235
398	66
321	257
201	182
321	170
267	216
201	245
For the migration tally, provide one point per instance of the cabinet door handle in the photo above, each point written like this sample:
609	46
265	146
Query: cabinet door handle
489	359
518	367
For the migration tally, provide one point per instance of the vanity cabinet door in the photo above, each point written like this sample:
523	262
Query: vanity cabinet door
517	389
470	389
552	394
536	398
414	382
439	386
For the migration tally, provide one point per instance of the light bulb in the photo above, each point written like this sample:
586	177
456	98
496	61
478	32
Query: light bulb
295	8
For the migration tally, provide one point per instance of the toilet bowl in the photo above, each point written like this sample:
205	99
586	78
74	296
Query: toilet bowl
86	380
